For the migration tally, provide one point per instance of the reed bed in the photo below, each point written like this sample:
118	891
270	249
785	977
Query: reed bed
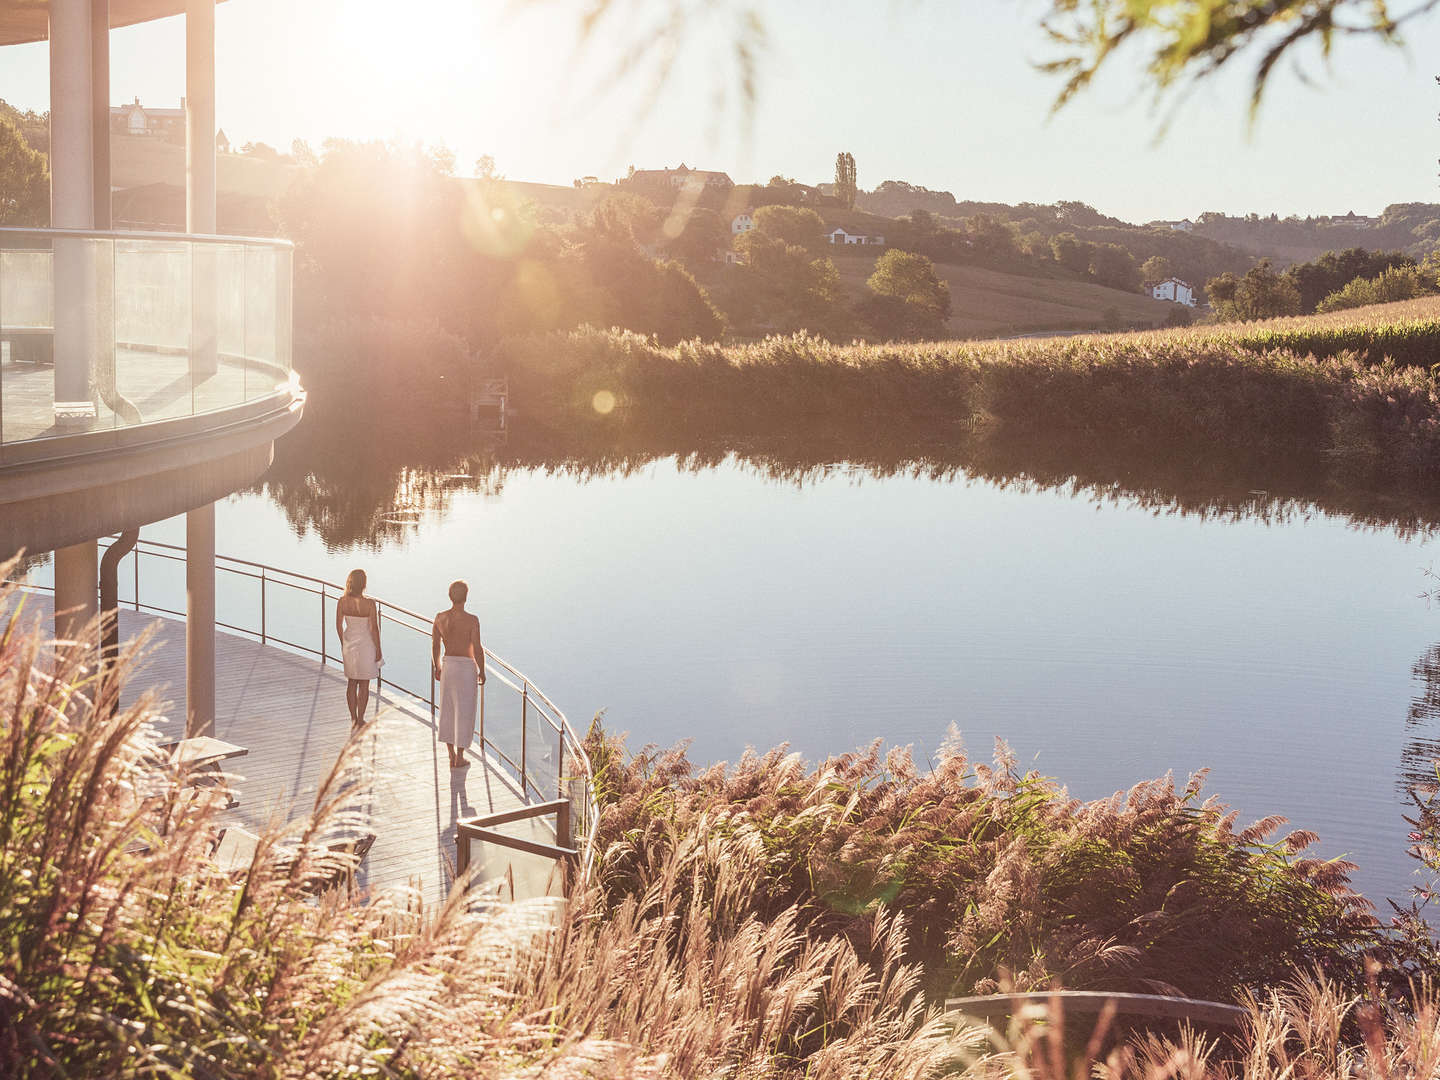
1352	388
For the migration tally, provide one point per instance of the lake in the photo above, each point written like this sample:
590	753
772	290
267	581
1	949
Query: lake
1105	641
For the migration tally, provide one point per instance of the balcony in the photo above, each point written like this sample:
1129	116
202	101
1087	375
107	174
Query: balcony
125	356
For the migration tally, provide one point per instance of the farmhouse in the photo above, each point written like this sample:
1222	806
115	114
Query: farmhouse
741	224
140	120
682	177
1174	290
840	236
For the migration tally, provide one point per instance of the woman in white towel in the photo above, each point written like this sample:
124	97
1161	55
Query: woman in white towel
458	633
357	622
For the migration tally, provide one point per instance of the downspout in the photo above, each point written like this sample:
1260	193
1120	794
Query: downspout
110	614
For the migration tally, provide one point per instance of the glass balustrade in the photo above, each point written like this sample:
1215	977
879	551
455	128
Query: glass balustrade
106	331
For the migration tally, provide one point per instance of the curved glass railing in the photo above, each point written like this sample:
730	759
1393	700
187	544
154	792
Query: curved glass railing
522	735
103	331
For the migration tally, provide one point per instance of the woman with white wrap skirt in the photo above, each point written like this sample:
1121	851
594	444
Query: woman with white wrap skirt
457	632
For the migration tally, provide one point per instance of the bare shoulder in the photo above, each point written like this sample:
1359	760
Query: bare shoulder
440	619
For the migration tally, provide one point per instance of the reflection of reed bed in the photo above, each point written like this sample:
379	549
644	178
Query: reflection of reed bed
1204	394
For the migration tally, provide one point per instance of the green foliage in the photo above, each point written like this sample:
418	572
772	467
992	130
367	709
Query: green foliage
1111	265
1260	294
845	187
24	179
1333	270
907	300
1397	283
782	286
1156	269
1071	252
384	231
791	225
1188	40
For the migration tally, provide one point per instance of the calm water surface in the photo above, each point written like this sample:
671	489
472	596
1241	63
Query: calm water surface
1105	643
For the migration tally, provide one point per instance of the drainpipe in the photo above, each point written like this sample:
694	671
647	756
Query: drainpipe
109	610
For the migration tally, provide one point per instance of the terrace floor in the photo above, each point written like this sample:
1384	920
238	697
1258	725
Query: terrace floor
159	384
290	713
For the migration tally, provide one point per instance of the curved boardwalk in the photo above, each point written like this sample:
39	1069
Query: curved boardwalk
290	713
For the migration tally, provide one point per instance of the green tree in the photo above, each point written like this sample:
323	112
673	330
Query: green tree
1260	294
783	287
696	237
24	179
906	299
845	189
791	224
1111	265
1071	252
1156	269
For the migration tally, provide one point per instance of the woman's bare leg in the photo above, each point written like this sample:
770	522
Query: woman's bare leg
362	699
352	695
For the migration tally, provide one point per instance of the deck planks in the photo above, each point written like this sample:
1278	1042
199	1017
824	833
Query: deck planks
290	712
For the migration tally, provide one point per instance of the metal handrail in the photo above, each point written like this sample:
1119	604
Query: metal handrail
571	749
140	234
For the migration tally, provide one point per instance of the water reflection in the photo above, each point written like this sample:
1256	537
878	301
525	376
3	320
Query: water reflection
369	488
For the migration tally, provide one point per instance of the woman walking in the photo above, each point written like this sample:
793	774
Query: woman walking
458	633
357	622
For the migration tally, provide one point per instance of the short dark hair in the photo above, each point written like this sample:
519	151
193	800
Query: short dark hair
458	592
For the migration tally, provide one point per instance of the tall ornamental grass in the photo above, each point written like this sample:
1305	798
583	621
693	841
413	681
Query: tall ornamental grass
1262	392
763	922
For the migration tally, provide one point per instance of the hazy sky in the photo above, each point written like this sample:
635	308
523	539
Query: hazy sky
938	93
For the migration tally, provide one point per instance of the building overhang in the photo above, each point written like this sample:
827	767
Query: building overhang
29	20
88	486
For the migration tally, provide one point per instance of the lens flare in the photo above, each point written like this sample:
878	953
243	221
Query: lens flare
603	402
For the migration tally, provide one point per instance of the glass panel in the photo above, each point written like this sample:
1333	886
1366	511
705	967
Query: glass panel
152	327
541	744
407	657
519	875
502	722
293	616
237	601
162	583
217	327
77	287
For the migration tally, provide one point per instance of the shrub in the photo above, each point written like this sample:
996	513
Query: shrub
1396	283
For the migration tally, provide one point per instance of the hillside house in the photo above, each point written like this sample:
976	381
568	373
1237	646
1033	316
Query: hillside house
840	236
148	121
683	177
1174	290
742	223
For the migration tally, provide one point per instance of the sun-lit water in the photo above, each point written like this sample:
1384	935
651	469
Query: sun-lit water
1107	644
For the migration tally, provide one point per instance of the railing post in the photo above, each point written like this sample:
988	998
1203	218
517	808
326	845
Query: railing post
562	825
323	638
137	577
462	852
560	765
524	733
262	605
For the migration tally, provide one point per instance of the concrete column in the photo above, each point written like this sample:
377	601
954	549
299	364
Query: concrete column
100	110
76	588
200	621
200	181
72	203
200	218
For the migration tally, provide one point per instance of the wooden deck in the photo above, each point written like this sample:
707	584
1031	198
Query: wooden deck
290	713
